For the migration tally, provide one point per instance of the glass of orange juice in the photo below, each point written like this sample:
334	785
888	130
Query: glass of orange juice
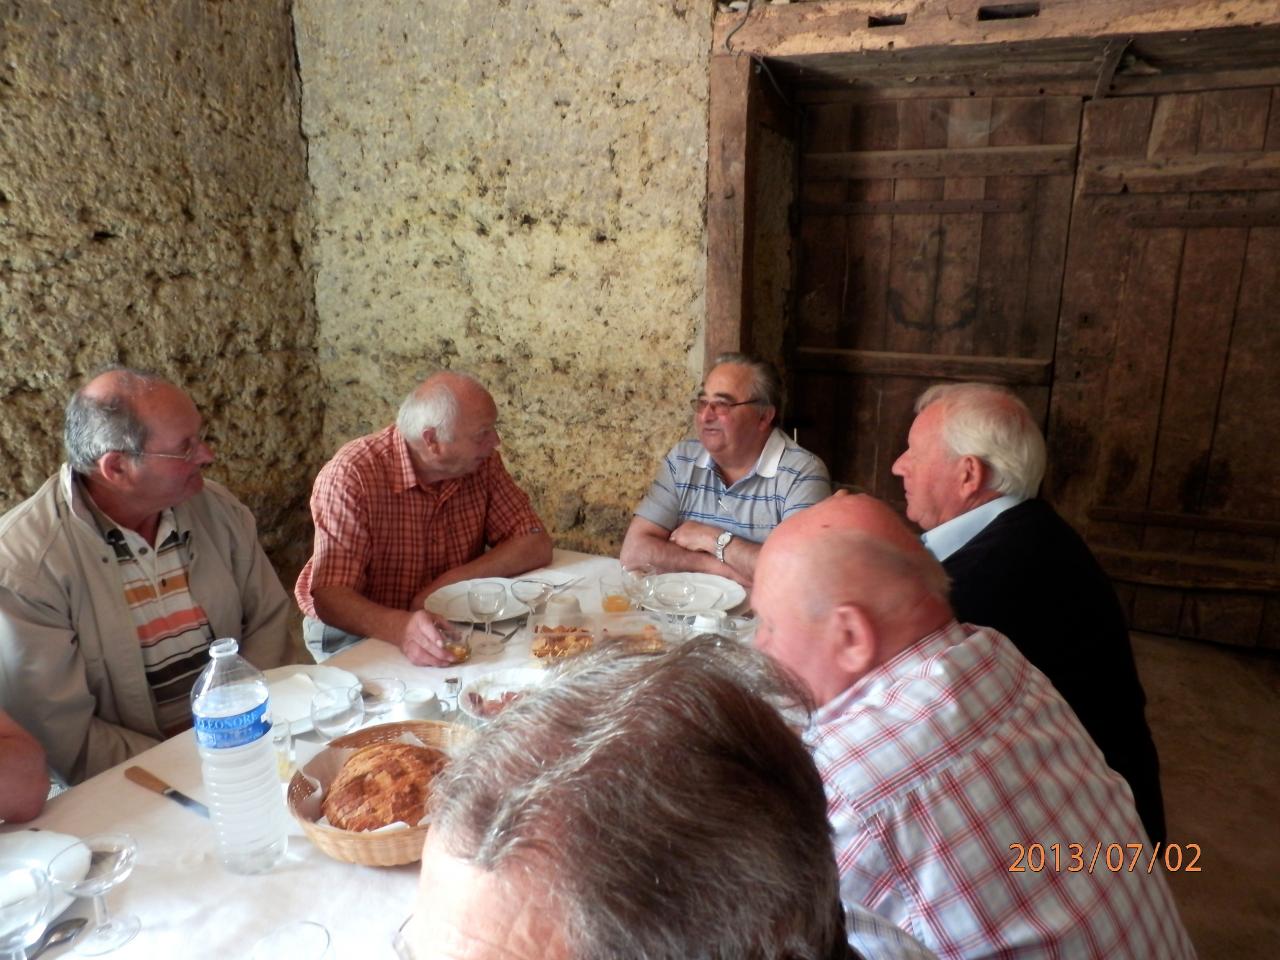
613	598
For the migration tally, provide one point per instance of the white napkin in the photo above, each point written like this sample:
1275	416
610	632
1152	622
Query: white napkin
291	697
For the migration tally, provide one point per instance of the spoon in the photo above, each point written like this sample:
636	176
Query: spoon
55	935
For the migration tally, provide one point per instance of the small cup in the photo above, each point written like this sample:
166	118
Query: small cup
457	642
561	604
613	597
420	703
299	940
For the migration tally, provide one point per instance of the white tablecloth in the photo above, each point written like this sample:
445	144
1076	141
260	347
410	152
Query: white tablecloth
190	906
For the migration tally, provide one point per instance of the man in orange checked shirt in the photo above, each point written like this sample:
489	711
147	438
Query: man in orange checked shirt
400	513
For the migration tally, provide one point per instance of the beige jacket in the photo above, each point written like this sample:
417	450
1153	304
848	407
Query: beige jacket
70	666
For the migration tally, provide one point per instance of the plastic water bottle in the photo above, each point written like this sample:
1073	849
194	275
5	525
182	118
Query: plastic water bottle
229	703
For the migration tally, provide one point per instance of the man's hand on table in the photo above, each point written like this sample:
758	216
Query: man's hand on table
423	640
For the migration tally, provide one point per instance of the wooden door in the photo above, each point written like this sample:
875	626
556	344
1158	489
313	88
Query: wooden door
931	246
1165	428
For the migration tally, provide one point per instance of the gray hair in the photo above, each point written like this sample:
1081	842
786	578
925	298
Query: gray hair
665	804
994	425
766	385
95	426
431	406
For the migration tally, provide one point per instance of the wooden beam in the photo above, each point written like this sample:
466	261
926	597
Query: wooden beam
1186	521
1188	573
1014	371
1031	161
863	90
1194	82
1110	60
1242	217
729	234
1200	173
840	26
910	207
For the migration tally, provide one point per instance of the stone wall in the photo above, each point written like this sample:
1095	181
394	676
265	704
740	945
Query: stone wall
516	188
152	178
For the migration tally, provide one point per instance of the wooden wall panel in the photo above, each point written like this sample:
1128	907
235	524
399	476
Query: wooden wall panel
956	309
824	240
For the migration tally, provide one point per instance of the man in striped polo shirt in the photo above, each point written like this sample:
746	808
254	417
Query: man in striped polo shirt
119	572
715	499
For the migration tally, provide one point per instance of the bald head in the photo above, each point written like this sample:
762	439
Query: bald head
842	587
449	424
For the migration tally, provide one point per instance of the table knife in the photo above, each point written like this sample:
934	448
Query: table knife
149	780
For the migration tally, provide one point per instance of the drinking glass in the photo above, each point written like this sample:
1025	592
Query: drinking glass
299	940
532	593
637	581
111	860
24	906
613	596
382	695
282	743
336	711
675	595
485	598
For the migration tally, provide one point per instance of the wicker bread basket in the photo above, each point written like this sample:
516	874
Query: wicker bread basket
389	848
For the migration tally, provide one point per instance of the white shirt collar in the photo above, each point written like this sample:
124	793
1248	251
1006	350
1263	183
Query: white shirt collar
766	463
946	538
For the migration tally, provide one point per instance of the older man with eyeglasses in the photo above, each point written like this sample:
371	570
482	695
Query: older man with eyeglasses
715	499
117	574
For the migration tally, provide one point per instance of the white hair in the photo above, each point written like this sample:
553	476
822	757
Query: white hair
431	406
991	423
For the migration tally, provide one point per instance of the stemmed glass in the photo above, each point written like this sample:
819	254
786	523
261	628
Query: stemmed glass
638	582
485	598
532	593
111	860
336	711
675	595
24	907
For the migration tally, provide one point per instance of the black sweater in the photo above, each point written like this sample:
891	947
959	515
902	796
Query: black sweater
1030	576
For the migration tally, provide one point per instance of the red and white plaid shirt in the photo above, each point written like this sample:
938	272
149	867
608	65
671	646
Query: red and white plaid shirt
382	533
939	760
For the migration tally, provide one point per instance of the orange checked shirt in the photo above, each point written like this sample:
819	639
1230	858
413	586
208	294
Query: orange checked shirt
383	534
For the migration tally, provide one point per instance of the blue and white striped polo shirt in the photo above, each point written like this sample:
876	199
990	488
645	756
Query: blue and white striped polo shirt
786	478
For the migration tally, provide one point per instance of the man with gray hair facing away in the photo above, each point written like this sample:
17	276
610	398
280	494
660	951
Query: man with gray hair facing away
118	573
400	513
716	498
973	464
639	807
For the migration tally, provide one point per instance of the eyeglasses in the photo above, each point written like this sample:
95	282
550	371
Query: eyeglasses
201	440
718	407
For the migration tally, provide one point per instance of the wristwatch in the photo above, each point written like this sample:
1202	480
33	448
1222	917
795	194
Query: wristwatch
722	541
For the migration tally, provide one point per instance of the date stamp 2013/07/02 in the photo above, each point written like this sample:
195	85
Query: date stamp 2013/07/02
1112	857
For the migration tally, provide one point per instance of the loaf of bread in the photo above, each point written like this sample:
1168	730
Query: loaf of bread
382	784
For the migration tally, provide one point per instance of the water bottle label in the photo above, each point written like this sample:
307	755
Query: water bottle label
221	732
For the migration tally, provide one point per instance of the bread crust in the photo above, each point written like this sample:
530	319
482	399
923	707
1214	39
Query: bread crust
382	784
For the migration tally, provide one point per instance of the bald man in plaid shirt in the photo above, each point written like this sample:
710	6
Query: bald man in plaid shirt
400	513
941	748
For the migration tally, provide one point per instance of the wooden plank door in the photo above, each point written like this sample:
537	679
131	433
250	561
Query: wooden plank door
1165	427
931	246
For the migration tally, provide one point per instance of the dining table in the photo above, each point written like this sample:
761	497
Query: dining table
190	906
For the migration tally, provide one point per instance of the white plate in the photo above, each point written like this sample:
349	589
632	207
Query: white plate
709	592
38	848
498	682
451	602
291	694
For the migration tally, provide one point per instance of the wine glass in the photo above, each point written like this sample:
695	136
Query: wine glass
111	860
336	711
638	582
485	598
299	940
532	593
675	595
24	906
